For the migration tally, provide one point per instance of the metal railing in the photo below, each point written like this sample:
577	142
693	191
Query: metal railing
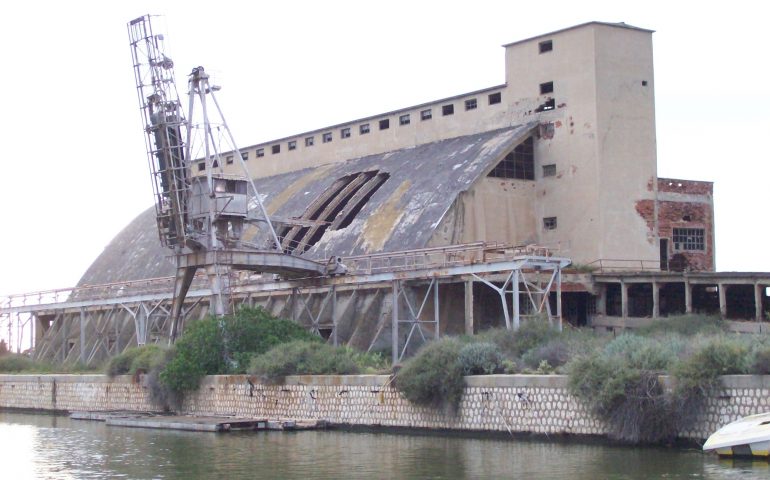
610	265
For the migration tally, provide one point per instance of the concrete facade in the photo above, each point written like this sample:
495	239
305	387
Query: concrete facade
539	404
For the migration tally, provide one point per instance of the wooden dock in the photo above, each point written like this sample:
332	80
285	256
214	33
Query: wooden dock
195	423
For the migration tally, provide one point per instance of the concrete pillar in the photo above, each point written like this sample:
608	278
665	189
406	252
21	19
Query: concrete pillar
624	299
394	323
758	302
436	312
558	298
687	297
722	300
655	300
601	299
82	335
469	307
334	316
516	309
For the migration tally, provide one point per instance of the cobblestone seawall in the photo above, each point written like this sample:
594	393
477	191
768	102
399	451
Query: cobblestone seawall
499	403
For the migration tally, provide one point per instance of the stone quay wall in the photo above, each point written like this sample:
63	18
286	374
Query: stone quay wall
539	404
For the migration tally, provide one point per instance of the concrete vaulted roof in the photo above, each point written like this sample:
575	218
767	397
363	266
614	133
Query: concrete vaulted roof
403	213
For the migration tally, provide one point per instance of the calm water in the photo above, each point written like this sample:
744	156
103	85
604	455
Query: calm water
40	446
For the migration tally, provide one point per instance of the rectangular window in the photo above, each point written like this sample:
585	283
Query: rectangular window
309	141
244	156
403	119
260	152
545	46
345	133
519	164
327	137
689	239
293	145
471	104
384	124
549	223
495	98
363	129
549	170
548	105
202	166
448	109
276	149
426	114
229	159
546	88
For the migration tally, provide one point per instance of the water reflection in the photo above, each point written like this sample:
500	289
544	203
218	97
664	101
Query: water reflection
39	446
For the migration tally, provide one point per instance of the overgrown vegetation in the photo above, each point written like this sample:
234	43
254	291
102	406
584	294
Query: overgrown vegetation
132	361
21	363
303	357
434	376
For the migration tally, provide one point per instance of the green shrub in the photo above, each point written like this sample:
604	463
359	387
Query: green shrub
135	359
15	363
760	361
642	352
215	346
530	335
303	357
721	355
481	358
555	353
434	376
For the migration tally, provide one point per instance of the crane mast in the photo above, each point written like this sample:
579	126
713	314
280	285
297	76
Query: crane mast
201	217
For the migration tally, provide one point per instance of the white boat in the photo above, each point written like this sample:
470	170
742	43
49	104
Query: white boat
749	436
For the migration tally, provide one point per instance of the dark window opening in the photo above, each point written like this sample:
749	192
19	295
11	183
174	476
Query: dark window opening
549	223
549	170
326	137
245	156
640	300
519	164
276	149
495	98
215	164
293	145
309	141
334	209
384	124
644	83
549	105
689	239
404	120
471	104
686	218
345	133
229	159
426	114
546	88
202	166
260	152
545	46
448	110
363	129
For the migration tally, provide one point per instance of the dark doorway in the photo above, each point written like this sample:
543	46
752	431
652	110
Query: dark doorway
664	254
705	299
672	300
574	307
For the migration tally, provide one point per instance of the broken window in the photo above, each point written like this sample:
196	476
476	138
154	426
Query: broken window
276	149
363	129
546	88
403	119
689	239
545	46
384	124
334	209
495	98
202	166
549	170
345	133
471	104
549	223
245	156
327	137
426	114
518	164
549	105
293	145
448	109
229	159
260	152
309	141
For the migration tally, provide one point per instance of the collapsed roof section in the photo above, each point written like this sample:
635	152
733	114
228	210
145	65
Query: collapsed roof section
378	203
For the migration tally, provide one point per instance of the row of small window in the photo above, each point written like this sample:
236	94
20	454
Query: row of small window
384	124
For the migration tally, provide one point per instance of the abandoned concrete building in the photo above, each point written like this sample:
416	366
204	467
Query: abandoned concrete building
561	155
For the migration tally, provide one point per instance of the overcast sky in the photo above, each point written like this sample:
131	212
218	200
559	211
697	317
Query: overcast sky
75	169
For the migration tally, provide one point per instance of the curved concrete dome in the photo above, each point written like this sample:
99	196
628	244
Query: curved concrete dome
418	187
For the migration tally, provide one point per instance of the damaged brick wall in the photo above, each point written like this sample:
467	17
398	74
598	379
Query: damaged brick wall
682	204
